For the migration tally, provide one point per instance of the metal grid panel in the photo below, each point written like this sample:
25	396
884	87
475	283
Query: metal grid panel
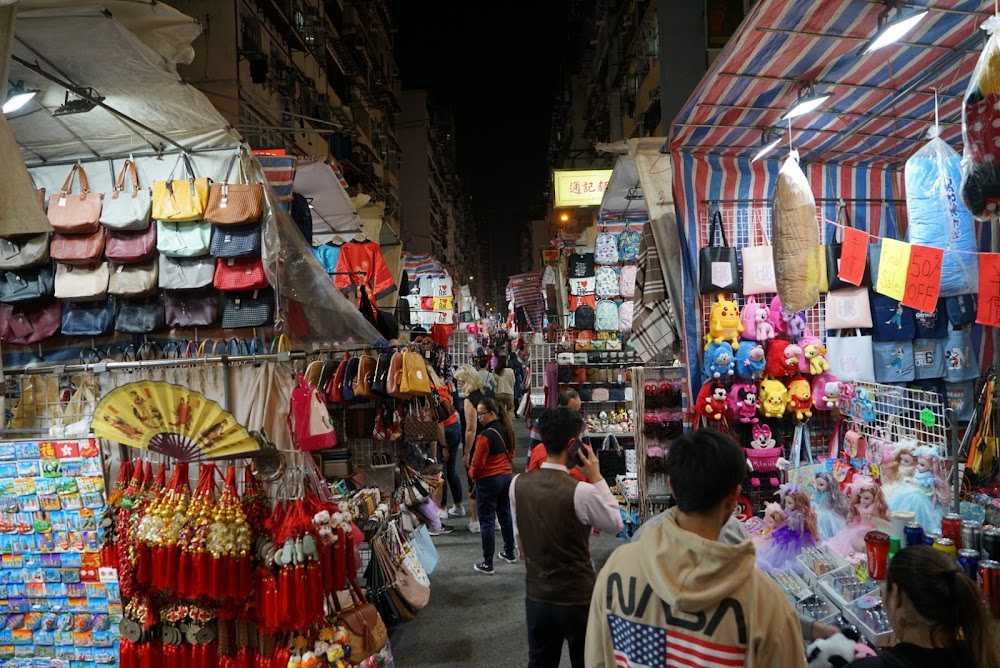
459	349
639	377
744	226
901	412
47	401
541	354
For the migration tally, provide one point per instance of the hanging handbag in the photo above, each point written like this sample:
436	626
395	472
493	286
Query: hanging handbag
71	213
139	317
362	383
718	268
834	250
380	378
419	425
850	357
236	241
366	632
891	321
183	239
78	248
191	308
26	284
236	274
962	361
133	280
961	309
185	273
388	427
928	358
235	203
82	283
758	265
334	388
933	325
125	247
413	379
893	361
606	248
27	323
180	200
848	308
611	458
247	309
23	252
127	210
87	318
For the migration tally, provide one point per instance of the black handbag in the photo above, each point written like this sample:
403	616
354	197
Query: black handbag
718	269
380	379
191	308
235	241
833	255
26	284
248	309
611	458
87	318
139	316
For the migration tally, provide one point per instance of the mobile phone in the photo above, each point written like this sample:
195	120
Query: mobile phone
574	450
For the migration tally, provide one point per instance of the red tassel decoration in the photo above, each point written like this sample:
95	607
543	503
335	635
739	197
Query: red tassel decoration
202	573
144	565
217	586
286	598
145	656
281	657
340	549
244	658
261	661
171	655
156	652
172	561
127	654
184	657
244	580
183	574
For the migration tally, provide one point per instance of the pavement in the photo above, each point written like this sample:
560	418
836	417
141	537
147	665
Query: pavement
474	619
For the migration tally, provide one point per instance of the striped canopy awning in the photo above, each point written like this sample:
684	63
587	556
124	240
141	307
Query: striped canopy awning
525	290
882	104
422	264
280	173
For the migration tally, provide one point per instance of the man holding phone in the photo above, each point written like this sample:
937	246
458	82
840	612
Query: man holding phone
537	454
553	514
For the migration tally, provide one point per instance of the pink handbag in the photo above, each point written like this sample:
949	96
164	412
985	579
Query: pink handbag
130	247
72	213
78	248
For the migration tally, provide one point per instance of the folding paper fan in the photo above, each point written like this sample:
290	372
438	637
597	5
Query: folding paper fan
171	420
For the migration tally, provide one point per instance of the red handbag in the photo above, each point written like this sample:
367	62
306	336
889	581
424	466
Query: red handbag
29	322
239	273
78	248
131	247
334	387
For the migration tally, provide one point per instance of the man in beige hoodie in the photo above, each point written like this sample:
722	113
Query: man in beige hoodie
678	596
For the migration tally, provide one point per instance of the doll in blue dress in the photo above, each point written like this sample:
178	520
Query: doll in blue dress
926	493
869	511
832	506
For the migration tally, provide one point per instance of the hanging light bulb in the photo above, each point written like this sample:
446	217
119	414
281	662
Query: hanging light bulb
769	144
17	97
890	32
808	102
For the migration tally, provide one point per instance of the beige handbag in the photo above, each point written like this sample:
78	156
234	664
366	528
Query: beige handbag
127	209
82	283
848	308
72	213
134	280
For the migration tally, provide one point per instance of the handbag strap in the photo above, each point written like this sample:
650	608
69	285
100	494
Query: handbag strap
241	176
281	344
68	185
717	227
763	232
127	168
842	212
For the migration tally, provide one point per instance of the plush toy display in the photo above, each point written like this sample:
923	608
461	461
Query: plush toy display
772	398
795	324
712	399
750	360
782	358
838	650
724	323
743	403
826	391
776	318
800	398
755	325
813	360
719	361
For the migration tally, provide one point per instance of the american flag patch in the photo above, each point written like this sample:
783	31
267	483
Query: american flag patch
639	645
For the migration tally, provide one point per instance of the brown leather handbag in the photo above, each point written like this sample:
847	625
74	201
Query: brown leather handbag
78	248
362	384
29	322
365	629
235	203
72	213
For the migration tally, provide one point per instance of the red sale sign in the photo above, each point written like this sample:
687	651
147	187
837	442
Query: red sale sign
923	278
853	256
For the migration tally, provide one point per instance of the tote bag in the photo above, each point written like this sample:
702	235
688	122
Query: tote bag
928	358
848	308
191	239
185	273
834	250
893	361
127	210
891	321
850	357
962	363
718	268
758	266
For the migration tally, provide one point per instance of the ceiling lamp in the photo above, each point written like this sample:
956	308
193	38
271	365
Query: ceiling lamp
17	97
769	141
808	101
890	32
81	104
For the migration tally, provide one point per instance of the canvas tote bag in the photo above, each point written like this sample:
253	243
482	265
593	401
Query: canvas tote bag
718	269
850	357
758	265
848	308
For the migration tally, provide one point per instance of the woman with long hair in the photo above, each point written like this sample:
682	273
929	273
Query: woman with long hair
491	471
504	384
937	614
470	383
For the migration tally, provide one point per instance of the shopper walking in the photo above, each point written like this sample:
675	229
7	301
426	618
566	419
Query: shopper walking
471	385
449	443
553	515
678	591
937	615
489	380
505	385
491	471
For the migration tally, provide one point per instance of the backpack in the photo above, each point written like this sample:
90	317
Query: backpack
308	420
606	248
628	245
414	380
625	313
606	316
626	282
607	283
584	317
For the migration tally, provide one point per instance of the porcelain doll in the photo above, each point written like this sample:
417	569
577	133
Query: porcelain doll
925	492
900	468
868	511
782	547
832	506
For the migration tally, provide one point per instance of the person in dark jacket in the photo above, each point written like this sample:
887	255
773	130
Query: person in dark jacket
937	614
491	471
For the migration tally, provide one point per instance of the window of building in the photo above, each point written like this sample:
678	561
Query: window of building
250	35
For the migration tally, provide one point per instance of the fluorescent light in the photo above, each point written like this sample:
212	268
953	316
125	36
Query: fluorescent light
766	149
892	32
805	105
18	100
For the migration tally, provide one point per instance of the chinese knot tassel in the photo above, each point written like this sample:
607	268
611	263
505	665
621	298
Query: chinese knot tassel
217	585
146	656
202	574
184	574
244	658
127	654
172	561
184	657
171	655
144	566
281	657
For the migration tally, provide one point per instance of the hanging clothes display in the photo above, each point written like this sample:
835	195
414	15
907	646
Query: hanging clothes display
365	257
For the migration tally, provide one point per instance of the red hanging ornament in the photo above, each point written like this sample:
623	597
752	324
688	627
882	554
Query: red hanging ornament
127	654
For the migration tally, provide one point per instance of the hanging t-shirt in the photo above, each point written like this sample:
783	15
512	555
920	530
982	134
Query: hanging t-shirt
328	256
581	265
365	257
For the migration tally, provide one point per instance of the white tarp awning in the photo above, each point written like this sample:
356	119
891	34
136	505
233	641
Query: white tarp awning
332	209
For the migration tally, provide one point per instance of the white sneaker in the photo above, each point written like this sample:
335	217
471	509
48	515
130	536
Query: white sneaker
442	514
455	512
474	527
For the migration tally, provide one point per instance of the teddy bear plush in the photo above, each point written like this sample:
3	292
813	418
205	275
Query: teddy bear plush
799	398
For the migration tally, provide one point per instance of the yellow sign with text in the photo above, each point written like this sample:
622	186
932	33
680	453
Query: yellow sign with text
580	187
892	267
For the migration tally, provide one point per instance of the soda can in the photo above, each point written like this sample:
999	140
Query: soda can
946	545
951	528
991	543
989	581
969	561
972	536
930	537
914	534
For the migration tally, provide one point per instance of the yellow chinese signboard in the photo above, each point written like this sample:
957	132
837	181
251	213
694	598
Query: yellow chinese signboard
580	187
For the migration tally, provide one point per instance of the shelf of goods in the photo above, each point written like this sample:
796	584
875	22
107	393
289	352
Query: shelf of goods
652	439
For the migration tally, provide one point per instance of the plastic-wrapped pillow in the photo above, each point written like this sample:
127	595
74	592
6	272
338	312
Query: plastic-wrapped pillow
796	239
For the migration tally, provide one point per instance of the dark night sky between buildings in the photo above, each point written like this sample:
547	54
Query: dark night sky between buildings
498	64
